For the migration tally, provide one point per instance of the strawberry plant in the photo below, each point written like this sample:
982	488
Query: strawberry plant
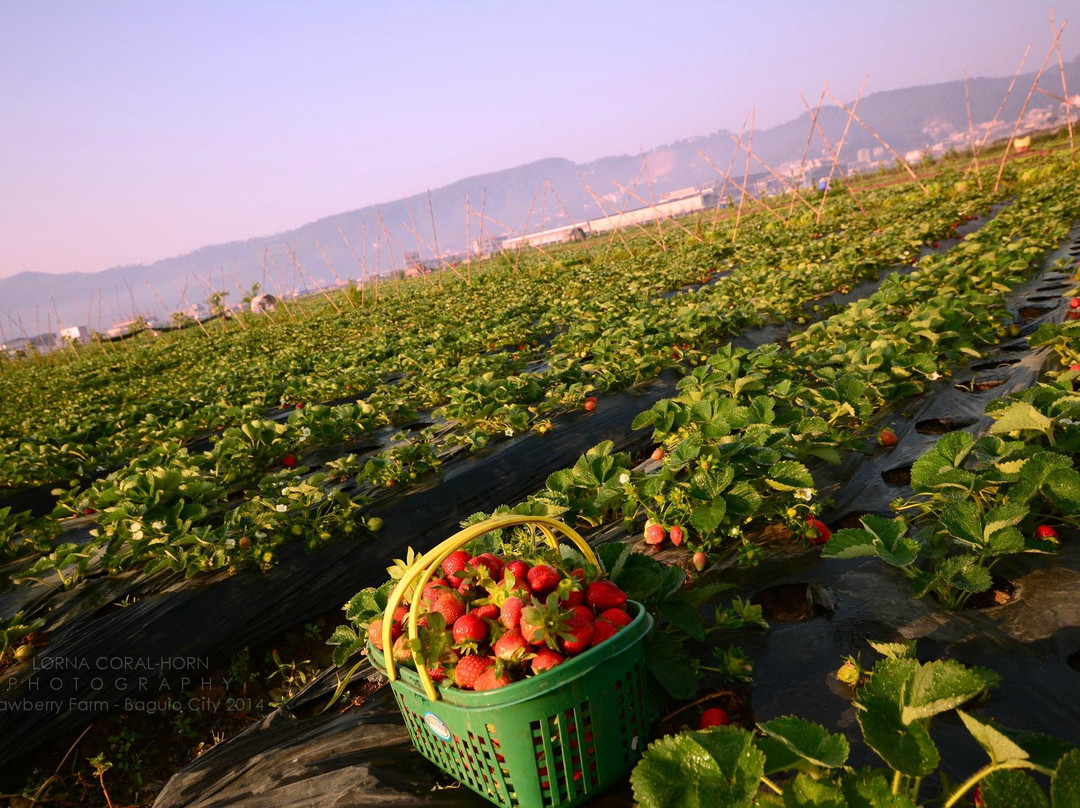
799	764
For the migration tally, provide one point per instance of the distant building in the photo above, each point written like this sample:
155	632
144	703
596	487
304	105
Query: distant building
42	343
76	333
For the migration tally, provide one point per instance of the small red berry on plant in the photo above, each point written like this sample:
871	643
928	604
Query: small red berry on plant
713	717
1045	532
676	535
819	533
289	461
590	404
655	534
887	438
700	560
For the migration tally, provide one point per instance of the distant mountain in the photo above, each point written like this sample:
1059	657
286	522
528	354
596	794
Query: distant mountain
528	197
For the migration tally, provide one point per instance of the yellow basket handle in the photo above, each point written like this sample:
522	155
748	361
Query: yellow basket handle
422	569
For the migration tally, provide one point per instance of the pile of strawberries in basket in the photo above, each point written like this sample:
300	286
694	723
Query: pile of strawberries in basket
490	621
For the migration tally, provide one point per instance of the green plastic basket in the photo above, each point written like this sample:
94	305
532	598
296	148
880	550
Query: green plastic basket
556	739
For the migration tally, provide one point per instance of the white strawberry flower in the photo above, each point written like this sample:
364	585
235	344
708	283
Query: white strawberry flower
624	478
230	543
804	494
259	534
305	431
158	525
281	507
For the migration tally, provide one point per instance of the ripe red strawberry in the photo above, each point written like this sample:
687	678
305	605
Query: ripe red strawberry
1045	532
511	646
544	624
510	613
976	797
573	597
543	579
700	561
655	534
713	717
489	611
489	679
887	438
590	404
1071	367
469	667
434	586
469	628
603	595
546	659
819	533
449	604
289	461
375	632
452	565
520	571
1074	302
676	535
489	562
602	630
616	616
576	636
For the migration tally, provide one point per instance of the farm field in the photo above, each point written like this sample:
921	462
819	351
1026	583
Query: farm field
864	428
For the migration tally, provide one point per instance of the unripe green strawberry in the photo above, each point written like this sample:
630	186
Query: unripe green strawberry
849	673
700	561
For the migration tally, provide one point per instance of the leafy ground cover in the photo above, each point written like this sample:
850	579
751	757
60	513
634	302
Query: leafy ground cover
212	465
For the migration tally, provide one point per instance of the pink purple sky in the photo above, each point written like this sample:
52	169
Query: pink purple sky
133	131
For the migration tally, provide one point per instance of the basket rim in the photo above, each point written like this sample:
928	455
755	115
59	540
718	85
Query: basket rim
533	686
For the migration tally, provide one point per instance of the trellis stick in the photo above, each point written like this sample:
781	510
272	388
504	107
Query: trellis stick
840	148
745	177
363	269
720	171
573	223
1023	108
971	131
652	199
900	160
330	266
730	168
806	146
832	156
291	252
776	176
615	231
1064	88
656	210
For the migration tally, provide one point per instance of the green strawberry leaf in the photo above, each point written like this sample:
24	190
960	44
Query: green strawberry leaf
1065	786
805	792
1018	417
720	766
671	665
808	740
997	745
1011	789
869	788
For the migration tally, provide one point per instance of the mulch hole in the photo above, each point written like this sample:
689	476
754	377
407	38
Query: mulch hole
794	603
980	386
942	426
1033	312
1001	591
990	364
1073	661
901	475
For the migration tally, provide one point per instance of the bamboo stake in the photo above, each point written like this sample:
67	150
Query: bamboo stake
840	148
363	269
573	223
656	210
291	252
794	189
483	207
1064	88
277	281
468	240
727	178
652	199
730	168
434	232
1001	106
971	131
615	231
806	146
881	140
390	249
832	156
1023	108
746	175
330	266
622	213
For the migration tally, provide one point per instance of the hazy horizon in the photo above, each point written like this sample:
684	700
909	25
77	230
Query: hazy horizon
136	132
